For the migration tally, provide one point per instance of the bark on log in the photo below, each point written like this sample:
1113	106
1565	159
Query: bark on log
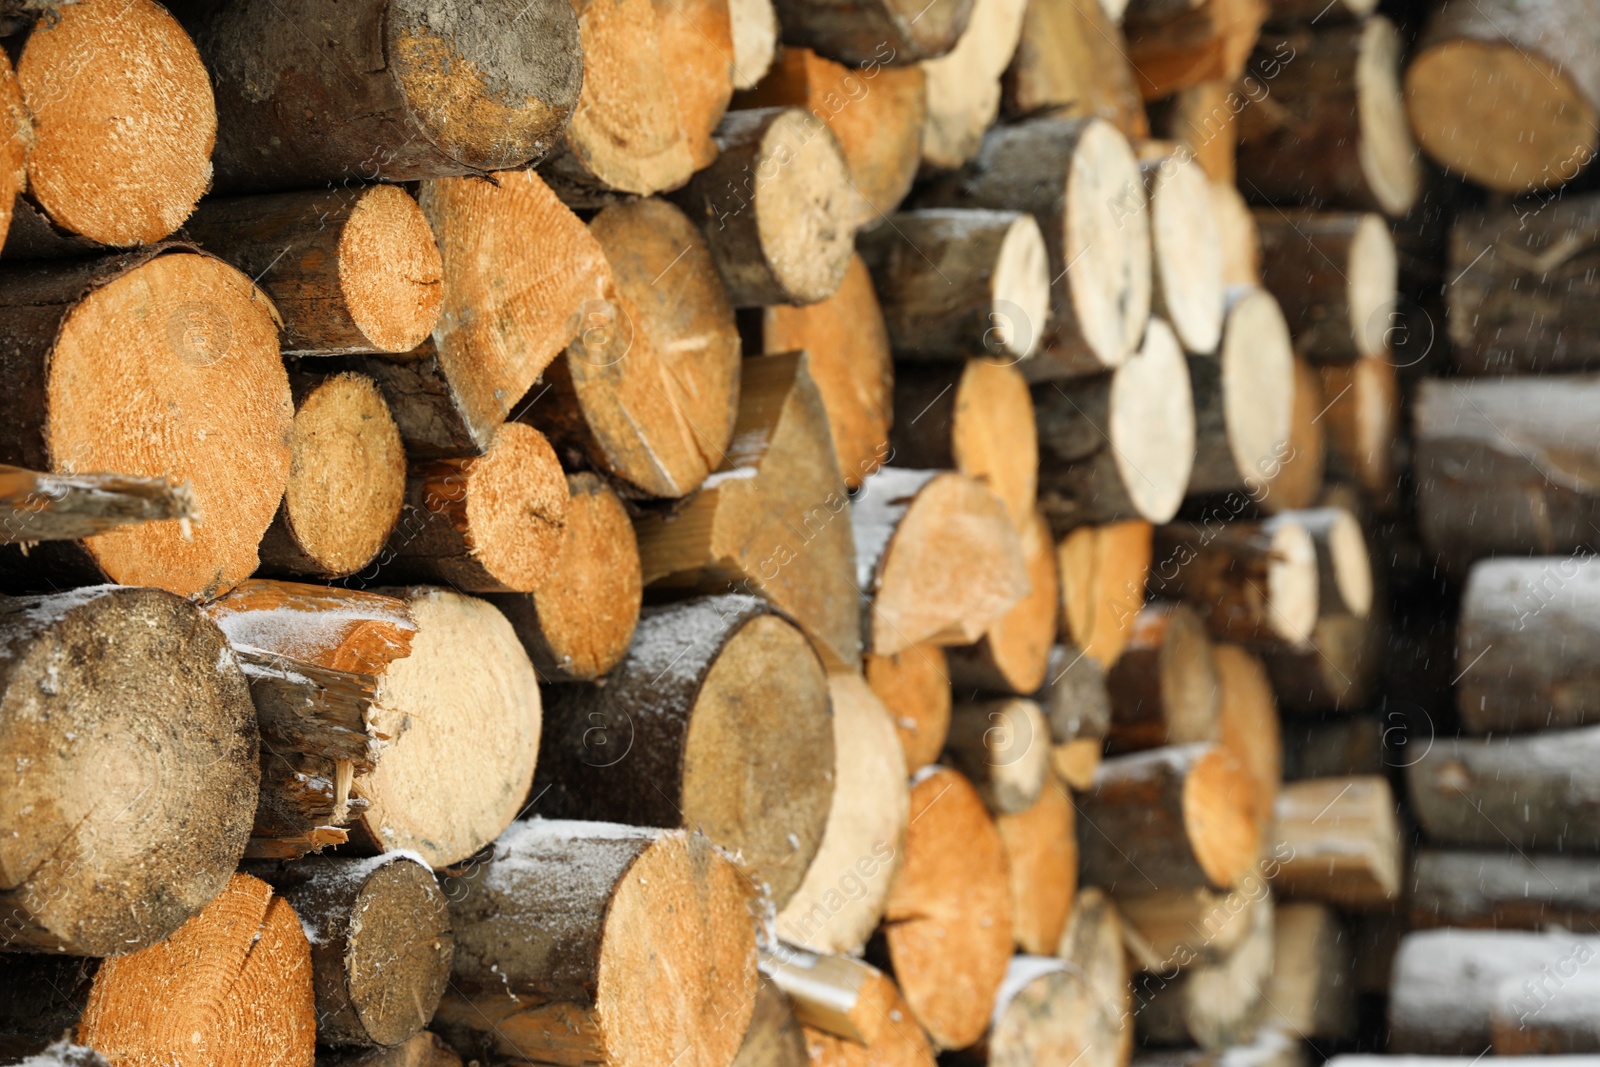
1243	398
1201	119
156	365
424	1050
1092	943
1103	571
963	87
1503	890
16	138
1042	856
1255	582
1175	46
108	697
1214	1005
1044	1015
1344	567
1164	688
914	685
1338	840
1310	11
1296	480
1186	257
583	942
1270	1048
1337	669
1362	419
1168	930
774	1037
1078	709
1336	274
35	506
697	54
1003	748
1014	655
1072	59
1312	989
1247	723
877	32
835	994
890	1035
718	719
1336	747
417	91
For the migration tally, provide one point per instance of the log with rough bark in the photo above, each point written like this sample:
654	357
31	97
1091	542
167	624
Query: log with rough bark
1336	669
1312	990
155	365
1186	257
1243	398
1080	179
843	894
937	559
386	89
1213	1005
1173	46
1103	570
962	88
774	1037
1362	420
1078	709
841	994
1164	687
109	697
886	32
848	349
16	137
1200	118
37	506
1336	274
1168	930
914	685
1042	857
947	929
1043	1014
1508	95
1013	656
1072	59
648	391
1247	723
1003	748
577	624
1092	944
1503	890
1338	840
582	942
347	479
1295	481
423	1050
1326	126
1336	747
1119	446
1254	582
772	518
717	719
697	54
1344	567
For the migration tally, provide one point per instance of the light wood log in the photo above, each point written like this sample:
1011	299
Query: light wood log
1296	481
1003	748
155	365
1336	669
698	57
1175	46
1250	581
914	685
1336	273
1344	567
16	137
1072	59
773	517
717	719
888	1034
35	506
1168	930
1475	66
1042	857
577	624
1338	840
1042	1016
1092	944
1312	991
1270	1048
775	1037
1309	11
1243	398
836	994
1362	424
1120	446
1241	242
1201	119
1247	723
755	40
963	87
108	698
1014	655
1103	570
1186	257
1504	890
424	1050
1078	708
1164	688
581	942
1214	1005
884	32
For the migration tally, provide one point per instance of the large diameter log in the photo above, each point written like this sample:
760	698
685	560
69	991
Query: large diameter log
1312	989
1243	398
1214	1005
876	32
962	87
718	719
1078	708
1093	945
582	942
1362	424
1003	748
1169	818
1013	656
1542	73
36	506
1253	582
1186	246
16	128
1044	1014
1164	687
1504	890
1176	46
1103	571
696	42
408	98
1247	723
1296	480
1042	857
161	365
1338	840
1336	275
109	698
773	516
1072	59
914	685
1120	446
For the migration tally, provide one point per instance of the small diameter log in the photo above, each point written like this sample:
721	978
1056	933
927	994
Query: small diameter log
16	137
975	417
1214	1005
1169	818
1241	242
1338	840
156	365
1093	945
112	89
1243	398
879	31
109	697
577	624
1164	688
842	897
1043	1014
424	1050
1504	890
1336	274
347	479
351	270
948	924
836	994
1363	423
1202	120
1014	655
1120	446
718	719
697	54
1103	570
1175	46
409	99
1042	856
1344	567
1080	179
648	390
1541	72
914	685
1003	748
1296	481
774	1037
956	282
1312	990
1072	59
581	942
777	207
36	506
884	1031
1172	929
938	557
1253	582
381	944
1336	669
962	87
1186	246
1327	126
772	517
1247	723
1078	709
848	349
1335	747
755	40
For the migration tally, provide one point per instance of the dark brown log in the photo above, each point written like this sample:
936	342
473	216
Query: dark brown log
35	506
1072	58
962	87
424	1050
1319	13
1002	746
1338	840
1214	1005
914	685
1336	275
1169	930
1103	571
1254	582
1173	46
1201	120
1186	261
1078	709
1344	567
1164	687
1013	656
1335	747
1243	398
1336	670
876	32
1312	990
1504	890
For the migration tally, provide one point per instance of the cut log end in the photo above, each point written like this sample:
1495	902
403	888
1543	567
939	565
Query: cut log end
390	272
1219	814
1374	269
1151	391
1107	244
1257	387
1021	286
16	137
1387	153
1187	250
804	220
914	686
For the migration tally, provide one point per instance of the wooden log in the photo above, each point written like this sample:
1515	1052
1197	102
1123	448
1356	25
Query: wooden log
1247	723
1362	420
1164	688
1255	582
1311	992
836	994
424	1050
1309	11
1334	133
1003	748
1103	570
1042	857
1078	708
848	348
1336	669
962	87
1270	1048
1503	890
1344	567
1079	178
775	167
1451	1061
883	1028
1336	747
577	624
697	55
1168	930
65	1054
1338	840
1562	1024
587	942
1092	944
717	719
1243	398
16	136
381	944
846	888
1042	1015
881	32
956	282
1175	46
1186	257
772	517
107	695
156	365
1072	59
410	100
1241	242
755	40
775	1037
914	685
647	392
36	506
1297	480
1336	274
937	556
1169	818
1200	119
347	479
1214	1005
1541	72
1120	446
1014	655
